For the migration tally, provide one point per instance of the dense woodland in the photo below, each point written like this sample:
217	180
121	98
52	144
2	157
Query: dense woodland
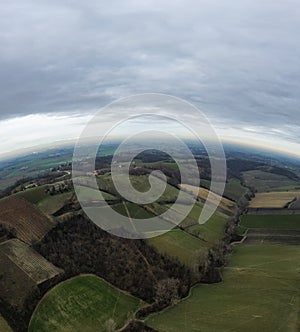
78	246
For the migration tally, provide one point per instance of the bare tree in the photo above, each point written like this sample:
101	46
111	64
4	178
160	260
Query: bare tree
202	265
166	291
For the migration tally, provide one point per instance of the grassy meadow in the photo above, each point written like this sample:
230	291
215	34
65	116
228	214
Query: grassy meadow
260	292
280	222
51	204
34	195
84	303
234	190
179	244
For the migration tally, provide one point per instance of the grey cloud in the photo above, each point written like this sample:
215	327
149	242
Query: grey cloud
238	61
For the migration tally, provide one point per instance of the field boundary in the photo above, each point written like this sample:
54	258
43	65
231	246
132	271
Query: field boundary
263	211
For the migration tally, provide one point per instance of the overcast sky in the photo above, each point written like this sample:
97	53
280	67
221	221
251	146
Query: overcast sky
238	61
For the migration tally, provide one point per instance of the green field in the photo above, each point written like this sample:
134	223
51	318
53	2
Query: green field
32	165
284	222
107	150
260	292
186	244
89	194
4	327
132	210
179	244
84	303
272	258
171	165
212	230
48	204
264	181
234	190
140	183
52	204
137	212
158	164
34	195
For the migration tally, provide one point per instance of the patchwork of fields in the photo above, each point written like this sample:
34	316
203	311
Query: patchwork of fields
260	288
187	242
85	303
32	165
260	292
140	183
191	234
48	204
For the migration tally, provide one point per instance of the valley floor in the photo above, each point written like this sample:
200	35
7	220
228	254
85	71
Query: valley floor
260	292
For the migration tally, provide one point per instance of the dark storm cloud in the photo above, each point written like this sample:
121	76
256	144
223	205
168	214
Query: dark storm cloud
238	61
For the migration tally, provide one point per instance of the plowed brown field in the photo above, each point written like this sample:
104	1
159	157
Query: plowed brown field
29	223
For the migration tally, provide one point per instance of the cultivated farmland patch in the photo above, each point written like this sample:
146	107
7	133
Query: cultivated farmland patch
29	261
202	193
28	222
234	190
179	244
51	204
272	221
272	236
274	200
15	285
